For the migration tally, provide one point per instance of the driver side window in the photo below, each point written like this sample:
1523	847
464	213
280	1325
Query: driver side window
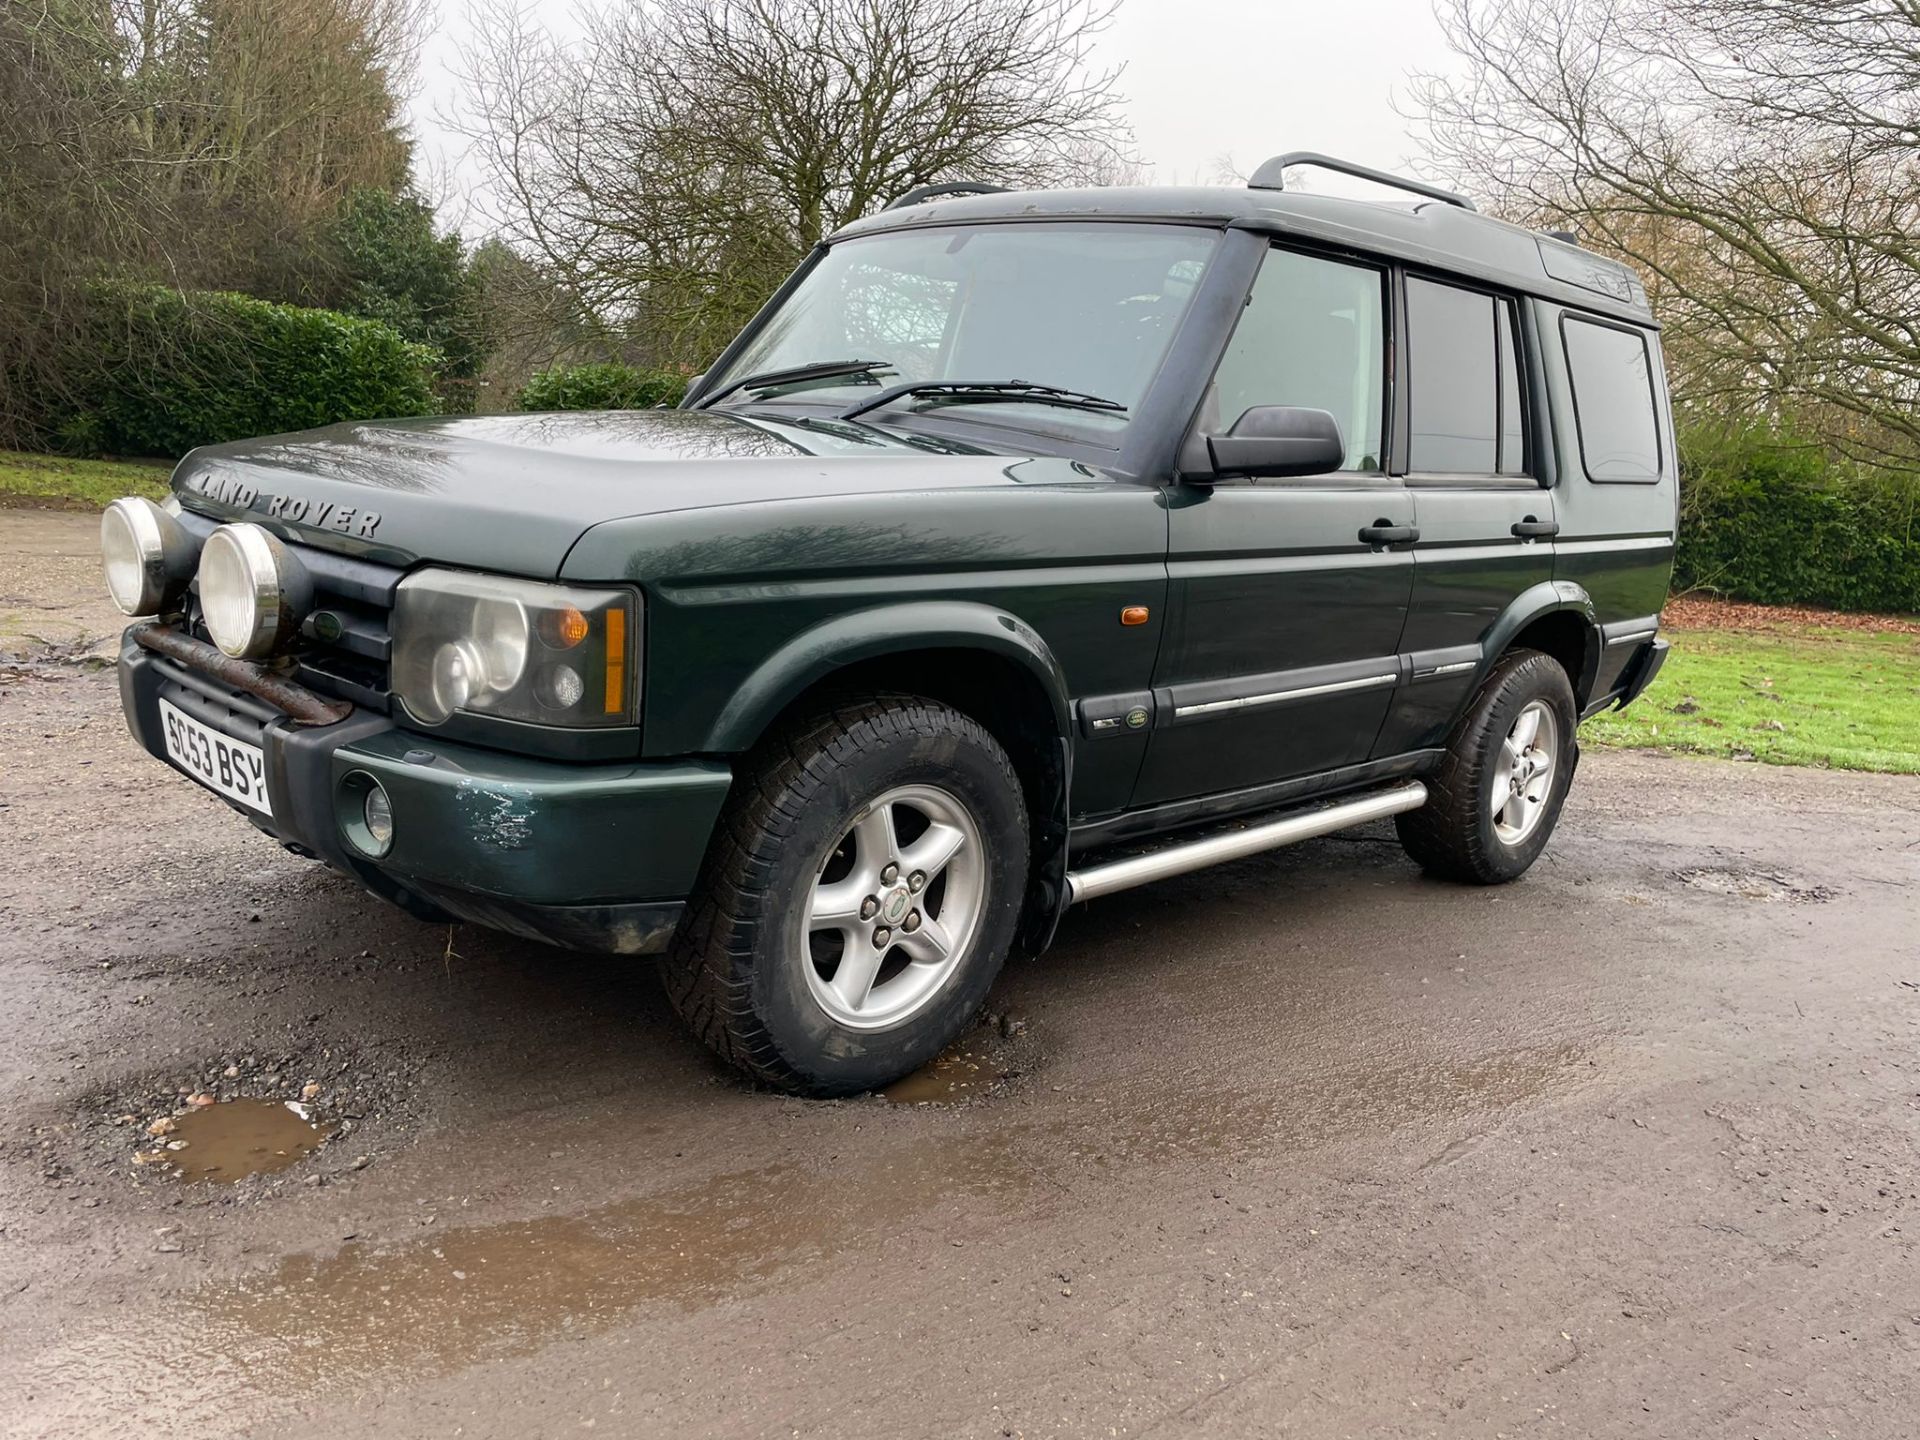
1312	335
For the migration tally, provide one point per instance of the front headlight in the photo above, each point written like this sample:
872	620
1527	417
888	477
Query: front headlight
514	649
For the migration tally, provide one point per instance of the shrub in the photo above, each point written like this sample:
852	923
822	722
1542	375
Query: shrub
393	267
155	371
1766	520
602	387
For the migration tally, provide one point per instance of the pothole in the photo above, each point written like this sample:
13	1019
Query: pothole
121	1132
233	1139
961	1074
982	1064
1751	884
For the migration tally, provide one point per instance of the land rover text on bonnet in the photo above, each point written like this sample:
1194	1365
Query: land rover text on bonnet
1025	548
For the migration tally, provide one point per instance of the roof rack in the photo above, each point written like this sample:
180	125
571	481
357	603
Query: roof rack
957	187
1272	176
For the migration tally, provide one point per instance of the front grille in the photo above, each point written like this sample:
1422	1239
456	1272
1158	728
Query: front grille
345	648
348	648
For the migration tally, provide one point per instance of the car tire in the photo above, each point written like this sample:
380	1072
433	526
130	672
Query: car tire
1493	802
858	898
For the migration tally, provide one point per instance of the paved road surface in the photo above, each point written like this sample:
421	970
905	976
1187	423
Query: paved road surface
1305	1145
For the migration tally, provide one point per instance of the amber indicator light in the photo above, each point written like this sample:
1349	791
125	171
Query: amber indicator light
616	661
563	628
1134	615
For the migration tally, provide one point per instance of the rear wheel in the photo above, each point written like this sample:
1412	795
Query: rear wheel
859	899
1496	797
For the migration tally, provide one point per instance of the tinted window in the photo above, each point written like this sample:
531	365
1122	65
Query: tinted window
1513	430
1452	408
1613	401
1312	336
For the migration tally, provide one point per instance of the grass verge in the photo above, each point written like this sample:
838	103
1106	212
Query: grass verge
1844	699
56	480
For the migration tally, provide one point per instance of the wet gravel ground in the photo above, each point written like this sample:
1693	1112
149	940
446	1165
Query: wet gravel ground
1304	1145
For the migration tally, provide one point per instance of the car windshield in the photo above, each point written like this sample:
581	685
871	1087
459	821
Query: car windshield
1085	307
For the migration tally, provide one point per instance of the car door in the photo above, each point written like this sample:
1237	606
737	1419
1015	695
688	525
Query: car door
1486	522
1287	596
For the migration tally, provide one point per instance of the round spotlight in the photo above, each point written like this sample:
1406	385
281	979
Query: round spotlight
147	555
253	592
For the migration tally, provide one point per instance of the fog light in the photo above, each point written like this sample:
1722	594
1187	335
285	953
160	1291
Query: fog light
378	811
366	814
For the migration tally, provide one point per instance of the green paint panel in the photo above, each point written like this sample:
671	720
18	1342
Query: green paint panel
540	831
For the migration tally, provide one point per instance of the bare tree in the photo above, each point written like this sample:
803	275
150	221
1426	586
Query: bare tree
199	142
683	157
1757	160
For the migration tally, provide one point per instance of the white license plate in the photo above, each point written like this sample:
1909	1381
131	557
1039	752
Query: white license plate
231	767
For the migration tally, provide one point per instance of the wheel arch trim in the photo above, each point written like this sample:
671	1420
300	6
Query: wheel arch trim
875	633
1549	597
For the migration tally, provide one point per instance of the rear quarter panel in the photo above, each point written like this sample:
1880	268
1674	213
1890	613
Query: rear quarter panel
1616	540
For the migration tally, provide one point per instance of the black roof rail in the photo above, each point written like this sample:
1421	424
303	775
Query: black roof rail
955	187
1565	237
1272	176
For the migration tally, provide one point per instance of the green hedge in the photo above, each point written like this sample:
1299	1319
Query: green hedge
156	371
1778	523
602	387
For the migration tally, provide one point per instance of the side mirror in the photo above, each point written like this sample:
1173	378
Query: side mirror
1276	440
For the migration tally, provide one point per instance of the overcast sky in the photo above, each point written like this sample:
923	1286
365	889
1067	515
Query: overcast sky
1204	80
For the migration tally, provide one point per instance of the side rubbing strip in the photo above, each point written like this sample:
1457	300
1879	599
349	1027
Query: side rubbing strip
1276	697
1632	637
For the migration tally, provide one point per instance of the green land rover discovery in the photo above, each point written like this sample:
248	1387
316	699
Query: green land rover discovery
1026	547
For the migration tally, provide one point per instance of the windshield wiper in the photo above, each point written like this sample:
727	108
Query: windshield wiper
793	375
973	392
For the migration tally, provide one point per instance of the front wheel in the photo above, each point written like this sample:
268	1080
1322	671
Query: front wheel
1496	797
859	899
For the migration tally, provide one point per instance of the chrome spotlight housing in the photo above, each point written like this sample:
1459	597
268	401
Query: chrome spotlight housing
148	557
254	592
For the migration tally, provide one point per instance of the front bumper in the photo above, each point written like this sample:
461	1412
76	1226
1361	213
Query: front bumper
591	856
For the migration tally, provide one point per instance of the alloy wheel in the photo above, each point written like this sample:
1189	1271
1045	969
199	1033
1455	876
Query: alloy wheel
1523	773
894	907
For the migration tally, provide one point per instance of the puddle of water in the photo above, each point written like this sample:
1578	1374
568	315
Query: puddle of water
329	1323
465	1295
238	1138
949	1079
468	1295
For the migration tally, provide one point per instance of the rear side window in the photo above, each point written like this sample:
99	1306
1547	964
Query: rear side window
1464	407
1454	401
1613	400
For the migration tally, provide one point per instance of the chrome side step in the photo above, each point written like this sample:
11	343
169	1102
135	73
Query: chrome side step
1098	880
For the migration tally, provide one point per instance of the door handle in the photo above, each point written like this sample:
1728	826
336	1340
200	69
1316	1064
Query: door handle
1385	532
1530	528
